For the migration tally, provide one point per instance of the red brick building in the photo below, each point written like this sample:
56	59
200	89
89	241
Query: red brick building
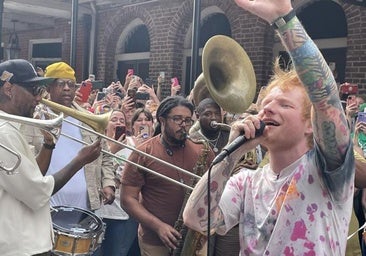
155	36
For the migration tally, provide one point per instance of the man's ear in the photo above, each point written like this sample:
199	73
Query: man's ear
309	127
7	87
197	114
162	120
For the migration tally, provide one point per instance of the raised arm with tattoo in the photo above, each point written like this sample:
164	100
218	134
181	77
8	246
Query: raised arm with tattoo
301	201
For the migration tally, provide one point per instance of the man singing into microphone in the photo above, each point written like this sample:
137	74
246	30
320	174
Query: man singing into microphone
301	202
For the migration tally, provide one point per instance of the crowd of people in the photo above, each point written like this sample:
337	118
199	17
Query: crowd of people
290	191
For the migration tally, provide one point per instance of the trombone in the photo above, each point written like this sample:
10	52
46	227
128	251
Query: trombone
51	126
98	124
11	169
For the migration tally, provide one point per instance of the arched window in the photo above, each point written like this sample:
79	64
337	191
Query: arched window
139	41
133	50
329	32
213	22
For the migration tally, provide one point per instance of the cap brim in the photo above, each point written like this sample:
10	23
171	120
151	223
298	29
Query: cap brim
39	80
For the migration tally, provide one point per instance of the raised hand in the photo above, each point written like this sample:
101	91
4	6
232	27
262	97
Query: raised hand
268	10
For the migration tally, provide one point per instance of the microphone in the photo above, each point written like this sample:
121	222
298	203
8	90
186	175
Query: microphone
236	144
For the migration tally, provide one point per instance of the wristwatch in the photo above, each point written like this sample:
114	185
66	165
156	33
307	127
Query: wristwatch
281	21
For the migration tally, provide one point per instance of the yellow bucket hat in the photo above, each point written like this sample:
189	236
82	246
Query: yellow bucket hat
60	70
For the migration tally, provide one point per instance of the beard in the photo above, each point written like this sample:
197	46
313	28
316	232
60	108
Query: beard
179	138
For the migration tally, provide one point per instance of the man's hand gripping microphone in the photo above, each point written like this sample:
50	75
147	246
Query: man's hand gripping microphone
240	140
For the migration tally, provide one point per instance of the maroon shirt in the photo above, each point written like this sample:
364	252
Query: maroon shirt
161	197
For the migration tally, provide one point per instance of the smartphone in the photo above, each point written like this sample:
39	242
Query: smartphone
361	117
108	90
175	81
145	131
162	75
100	96
85	89
120	130
351	99
131	93
98	84
142	96
130	71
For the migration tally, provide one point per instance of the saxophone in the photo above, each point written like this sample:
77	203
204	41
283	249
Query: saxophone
191	240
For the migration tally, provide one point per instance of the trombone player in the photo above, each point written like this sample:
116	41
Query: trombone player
26	226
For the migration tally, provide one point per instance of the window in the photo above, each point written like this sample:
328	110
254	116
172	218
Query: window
45	51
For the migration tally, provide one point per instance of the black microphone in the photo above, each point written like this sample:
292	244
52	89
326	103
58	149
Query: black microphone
236	144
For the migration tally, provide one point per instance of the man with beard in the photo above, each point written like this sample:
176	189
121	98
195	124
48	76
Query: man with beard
95	182
299	203
154	201
26	227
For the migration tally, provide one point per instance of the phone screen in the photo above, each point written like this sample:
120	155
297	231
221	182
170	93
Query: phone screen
145	131
131	93
175	81
85	90
120	130
100	96
361	117
142	96
351	99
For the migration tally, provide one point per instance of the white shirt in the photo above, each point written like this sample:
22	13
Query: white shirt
25	219
74	193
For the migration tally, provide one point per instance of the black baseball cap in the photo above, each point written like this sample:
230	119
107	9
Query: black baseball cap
21	72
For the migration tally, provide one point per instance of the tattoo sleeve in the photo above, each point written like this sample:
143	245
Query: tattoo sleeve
329	121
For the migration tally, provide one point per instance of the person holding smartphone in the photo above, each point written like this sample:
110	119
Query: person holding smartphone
353	103
175	86
121	230
142	125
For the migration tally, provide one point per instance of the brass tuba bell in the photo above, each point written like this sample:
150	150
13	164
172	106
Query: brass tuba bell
228	75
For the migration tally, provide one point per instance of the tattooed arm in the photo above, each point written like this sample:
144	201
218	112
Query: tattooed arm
329	121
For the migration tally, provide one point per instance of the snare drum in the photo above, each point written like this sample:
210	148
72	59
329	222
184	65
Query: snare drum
77	231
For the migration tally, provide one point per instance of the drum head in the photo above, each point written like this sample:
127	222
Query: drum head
75	220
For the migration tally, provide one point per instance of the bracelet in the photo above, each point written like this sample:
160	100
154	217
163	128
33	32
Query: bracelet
49	146
281	21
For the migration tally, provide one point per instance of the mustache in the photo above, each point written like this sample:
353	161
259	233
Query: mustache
184	132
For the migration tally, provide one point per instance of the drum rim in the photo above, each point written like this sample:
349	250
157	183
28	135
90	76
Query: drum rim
62	230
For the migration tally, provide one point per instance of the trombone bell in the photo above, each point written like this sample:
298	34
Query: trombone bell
52	126
97	122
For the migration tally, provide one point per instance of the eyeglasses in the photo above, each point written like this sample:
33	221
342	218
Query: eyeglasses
34	90
61	83
179	120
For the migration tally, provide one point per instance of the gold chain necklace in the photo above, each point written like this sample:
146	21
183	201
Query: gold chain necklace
213	143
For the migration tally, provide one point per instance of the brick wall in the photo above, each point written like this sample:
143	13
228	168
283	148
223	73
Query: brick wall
168	24
356	46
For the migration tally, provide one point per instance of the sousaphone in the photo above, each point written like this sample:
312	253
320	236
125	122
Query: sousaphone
228	75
